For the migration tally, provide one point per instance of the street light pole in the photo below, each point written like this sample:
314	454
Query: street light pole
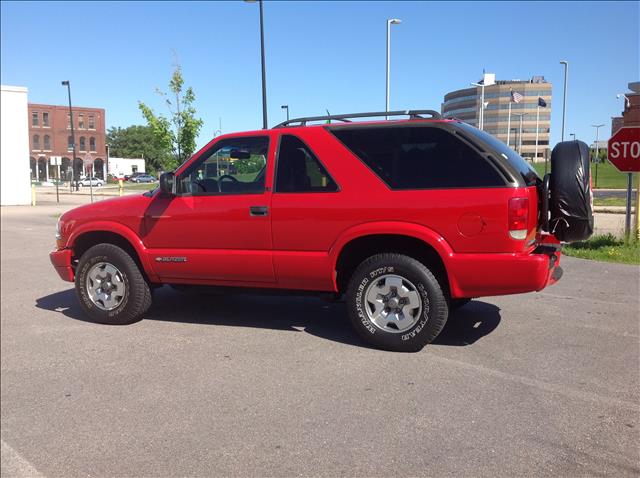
574	135
481	118
73	138
264	74
391	21
564	95
597	160
286	107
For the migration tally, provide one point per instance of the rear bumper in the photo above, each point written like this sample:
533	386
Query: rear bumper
61	261
478	275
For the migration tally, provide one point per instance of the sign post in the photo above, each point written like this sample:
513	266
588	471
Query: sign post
56	161
88	162
624	154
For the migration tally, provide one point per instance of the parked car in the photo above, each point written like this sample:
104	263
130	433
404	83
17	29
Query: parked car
130	177
408	219
143	178
93	181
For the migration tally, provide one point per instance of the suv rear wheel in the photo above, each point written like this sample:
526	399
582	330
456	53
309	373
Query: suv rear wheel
110	286
396	303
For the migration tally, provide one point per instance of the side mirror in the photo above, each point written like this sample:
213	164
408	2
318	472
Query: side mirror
166	183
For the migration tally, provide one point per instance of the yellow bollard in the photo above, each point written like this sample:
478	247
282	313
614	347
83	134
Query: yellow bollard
33	194
121	187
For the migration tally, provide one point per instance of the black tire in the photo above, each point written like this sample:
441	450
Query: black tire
570	199
428	324
137	294
457	303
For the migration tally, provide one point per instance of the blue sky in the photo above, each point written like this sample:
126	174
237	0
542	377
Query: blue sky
320	55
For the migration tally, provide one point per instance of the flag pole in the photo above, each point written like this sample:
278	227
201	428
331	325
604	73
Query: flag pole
509	123
535	157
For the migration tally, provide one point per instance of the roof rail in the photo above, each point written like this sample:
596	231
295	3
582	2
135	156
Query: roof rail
413	114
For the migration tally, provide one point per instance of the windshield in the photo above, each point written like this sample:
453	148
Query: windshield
516	161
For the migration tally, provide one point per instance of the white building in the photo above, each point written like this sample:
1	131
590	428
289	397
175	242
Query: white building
120	167
15	175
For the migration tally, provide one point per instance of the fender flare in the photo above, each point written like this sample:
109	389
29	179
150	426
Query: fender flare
124	232
416	231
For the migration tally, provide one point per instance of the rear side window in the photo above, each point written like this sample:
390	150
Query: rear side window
408	157
529	175
299	171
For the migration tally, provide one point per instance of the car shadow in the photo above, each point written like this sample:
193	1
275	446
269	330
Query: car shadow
296	313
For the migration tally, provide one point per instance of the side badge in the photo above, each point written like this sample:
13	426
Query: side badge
171	259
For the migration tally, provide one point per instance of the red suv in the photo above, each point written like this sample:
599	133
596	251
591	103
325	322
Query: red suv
409	218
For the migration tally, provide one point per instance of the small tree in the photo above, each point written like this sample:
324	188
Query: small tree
136	141
177	133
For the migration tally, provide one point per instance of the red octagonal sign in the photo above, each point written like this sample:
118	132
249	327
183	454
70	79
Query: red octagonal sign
624	149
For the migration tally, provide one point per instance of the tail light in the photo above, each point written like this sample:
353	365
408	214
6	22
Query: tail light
518	217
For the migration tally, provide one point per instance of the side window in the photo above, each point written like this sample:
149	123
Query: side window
232	166
419	157
299	171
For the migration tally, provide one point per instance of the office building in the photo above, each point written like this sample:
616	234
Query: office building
524	97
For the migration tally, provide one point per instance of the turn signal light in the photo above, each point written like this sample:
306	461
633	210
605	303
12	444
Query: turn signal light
518	217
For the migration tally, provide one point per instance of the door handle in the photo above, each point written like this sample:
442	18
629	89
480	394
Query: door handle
258	211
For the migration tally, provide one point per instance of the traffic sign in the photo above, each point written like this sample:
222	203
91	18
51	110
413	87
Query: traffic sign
88	159
624	149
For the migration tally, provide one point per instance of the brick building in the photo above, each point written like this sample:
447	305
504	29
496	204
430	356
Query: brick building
50	135
631	114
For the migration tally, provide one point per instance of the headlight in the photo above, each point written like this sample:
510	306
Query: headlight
58	235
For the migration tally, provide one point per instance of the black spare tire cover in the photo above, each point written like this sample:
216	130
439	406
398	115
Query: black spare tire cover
571	199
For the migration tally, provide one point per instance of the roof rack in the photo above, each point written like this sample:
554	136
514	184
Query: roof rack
413	114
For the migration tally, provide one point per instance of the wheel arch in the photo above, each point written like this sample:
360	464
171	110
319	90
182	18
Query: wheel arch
413	240
110	233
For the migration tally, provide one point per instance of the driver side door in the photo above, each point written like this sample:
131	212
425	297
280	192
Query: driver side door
217	228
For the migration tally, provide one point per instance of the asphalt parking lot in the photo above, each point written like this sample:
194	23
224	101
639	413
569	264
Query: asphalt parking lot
247	385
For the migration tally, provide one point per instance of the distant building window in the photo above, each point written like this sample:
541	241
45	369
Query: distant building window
81	122
47	142
70	143
34	118
68	121
92	144
92	122
83	145
45	120
36	141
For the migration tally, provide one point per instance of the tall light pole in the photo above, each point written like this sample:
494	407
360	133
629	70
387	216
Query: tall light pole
286	107
520	133
391	21
574	135
481	119
73	139
564	94
597	160
264	74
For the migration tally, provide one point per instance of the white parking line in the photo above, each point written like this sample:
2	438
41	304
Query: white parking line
14	466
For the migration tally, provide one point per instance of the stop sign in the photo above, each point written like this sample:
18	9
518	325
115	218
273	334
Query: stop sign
624	149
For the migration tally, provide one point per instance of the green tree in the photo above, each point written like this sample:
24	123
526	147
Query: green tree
138	141
179	131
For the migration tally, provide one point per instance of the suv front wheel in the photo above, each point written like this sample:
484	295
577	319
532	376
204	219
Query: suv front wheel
396	303
110	286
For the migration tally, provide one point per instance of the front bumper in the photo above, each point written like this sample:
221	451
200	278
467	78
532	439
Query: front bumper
61	261
478	275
